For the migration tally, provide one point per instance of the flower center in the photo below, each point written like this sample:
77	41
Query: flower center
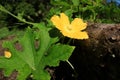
69	27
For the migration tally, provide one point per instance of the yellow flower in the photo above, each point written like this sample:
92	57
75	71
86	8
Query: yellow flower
71	30
7	54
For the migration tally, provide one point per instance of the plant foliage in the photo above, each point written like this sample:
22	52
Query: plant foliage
32	59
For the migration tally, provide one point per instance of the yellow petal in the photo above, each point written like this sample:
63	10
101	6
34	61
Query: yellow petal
64	19
81	35
78	24
72	30
7	54
56	21
76	35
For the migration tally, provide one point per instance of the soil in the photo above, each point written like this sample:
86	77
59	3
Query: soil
97	58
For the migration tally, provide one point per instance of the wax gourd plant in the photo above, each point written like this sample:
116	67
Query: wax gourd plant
32	60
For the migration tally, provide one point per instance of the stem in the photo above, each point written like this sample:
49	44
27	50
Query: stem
20	19
6	11
70	64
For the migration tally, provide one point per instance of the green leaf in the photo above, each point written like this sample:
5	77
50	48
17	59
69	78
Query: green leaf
56	53
28	52
14	63
20	16
22	61
25	71
45	41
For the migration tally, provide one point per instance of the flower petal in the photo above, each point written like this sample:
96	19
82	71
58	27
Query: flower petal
56	21
81	35
76	35
72	30
64	19
78	24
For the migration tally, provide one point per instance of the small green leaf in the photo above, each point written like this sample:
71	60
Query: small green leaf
20	16
76	2
58	53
